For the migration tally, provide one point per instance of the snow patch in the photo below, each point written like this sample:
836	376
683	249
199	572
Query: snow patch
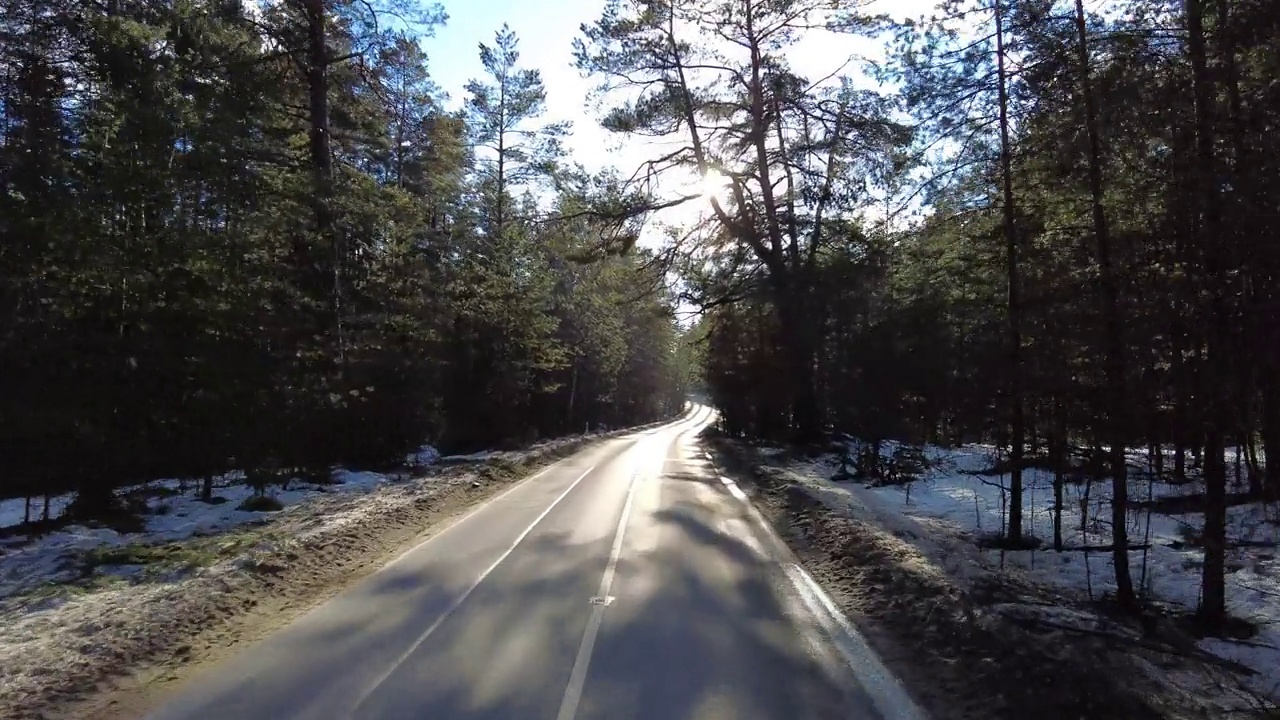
14	510
52	558
480	456
229	485
422	457
952	505
170	518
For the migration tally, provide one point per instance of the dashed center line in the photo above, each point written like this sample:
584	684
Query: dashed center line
453	607
578	675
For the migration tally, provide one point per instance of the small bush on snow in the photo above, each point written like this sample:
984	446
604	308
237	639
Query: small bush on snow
500	469
903	466
260	503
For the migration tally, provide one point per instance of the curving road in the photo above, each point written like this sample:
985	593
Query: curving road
627	582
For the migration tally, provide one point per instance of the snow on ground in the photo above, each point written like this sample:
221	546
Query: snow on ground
472	457
175	515
425	455
54	601
57	634
230	485
12	512
952	506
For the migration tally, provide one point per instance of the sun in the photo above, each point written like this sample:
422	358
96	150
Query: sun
714	185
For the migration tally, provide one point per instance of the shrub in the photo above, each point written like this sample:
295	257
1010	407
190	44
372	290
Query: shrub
260	503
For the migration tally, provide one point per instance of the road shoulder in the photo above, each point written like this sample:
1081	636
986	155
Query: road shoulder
958	661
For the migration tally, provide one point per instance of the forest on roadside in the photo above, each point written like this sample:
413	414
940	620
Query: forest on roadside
241	236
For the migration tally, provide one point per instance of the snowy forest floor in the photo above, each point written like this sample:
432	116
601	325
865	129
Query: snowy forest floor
96	621
985	633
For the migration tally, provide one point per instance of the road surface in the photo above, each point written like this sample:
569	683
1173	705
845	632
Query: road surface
627	582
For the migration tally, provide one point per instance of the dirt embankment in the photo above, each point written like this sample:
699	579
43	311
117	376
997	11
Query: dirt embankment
109	652
953	643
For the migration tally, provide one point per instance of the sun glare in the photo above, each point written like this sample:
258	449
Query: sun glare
714	185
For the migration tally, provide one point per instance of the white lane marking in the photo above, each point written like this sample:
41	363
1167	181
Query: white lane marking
734	490
463	597
628	437
886	693
482	506
881	686
578	675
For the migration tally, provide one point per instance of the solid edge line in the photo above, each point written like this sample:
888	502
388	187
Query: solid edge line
884	688
481	506
578	675
467	593
734	490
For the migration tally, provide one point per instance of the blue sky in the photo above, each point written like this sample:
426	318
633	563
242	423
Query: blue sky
546	29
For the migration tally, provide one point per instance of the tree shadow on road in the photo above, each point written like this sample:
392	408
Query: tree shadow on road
701	626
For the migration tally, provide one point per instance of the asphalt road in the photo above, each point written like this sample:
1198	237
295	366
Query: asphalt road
628	582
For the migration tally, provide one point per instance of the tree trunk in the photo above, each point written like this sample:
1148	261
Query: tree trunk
1058	456
1017	420
320	152
500	188
318	96
573	390
1251	460
1213	607
806	423
1271	435
1239	464
206	488
1178	365
1112	340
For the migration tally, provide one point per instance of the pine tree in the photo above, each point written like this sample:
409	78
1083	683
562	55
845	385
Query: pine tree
502	114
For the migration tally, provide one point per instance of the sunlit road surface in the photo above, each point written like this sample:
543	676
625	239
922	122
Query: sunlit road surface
629	581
